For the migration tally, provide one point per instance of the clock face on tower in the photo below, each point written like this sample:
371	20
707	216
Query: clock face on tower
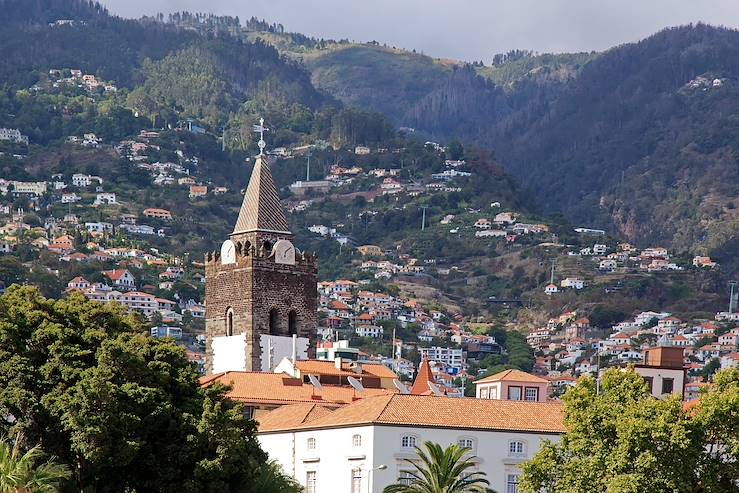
228	252
284	252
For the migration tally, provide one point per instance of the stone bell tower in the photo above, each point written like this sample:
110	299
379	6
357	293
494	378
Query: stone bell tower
258	284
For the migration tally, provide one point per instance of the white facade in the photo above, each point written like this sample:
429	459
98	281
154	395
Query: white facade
447	356
105	198
333	457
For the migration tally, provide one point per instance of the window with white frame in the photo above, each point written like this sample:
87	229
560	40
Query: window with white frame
405	477
466	443
310	482
493	392
408	441
532	394
511	484
516	448
484	393
311	444
357	441
356	480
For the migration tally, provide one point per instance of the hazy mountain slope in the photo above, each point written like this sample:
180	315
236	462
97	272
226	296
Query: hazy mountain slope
629	142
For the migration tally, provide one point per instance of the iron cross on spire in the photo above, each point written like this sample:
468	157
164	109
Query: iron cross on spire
260	129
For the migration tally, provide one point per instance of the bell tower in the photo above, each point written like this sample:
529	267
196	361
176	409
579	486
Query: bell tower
258	284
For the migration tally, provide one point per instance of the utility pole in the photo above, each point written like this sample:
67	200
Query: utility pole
423	219
307	171
551	279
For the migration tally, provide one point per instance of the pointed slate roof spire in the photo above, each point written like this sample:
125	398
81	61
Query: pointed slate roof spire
261	209
421	384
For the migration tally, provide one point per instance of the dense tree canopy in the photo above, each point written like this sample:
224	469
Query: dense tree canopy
124	411
625	441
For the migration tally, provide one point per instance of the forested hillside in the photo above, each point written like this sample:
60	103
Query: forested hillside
637	139
646	139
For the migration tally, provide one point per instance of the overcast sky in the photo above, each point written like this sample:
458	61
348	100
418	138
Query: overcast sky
464	29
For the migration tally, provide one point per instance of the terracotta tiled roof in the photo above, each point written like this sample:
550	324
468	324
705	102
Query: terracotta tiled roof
513	376
261	209
292	415
321	367
424	377
280	389
114	275
435	412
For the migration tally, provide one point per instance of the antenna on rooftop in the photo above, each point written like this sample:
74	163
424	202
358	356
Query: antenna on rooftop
358	387
401	386
316	384
435	389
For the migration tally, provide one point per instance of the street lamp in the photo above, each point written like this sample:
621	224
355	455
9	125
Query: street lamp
381	467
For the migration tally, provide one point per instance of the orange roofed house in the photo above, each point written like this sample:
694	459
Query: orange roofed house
341	449
512	385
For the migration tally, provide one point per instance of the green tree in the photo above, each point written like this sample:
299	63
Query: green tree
455	150
29	471
124	410
625	441
441	470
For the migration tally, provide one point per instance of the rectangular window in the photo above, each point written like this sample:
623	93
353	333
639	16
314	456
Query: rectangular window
515	448
514	393
512	483
532	394
493	392
668	384
650	383
405	477
310	482
466	443
484	393
356	480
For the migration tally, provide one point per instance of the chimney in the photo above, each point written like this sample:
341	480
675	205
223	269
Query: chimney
295	348
337	362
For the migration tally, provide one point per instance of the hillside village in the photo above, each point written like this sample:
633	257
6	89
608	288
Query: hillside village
211	239
118	257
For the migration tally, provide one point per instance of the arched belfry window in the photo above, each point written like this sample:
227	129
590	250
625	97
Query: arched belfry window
229	322
273	321
292	322
267	247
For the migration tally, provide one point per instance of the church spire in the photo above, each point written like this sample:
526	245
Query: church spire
261	210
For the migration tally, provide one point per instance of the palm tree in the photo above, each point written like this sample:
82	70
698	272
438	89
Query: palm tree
25	472
442	470
272	479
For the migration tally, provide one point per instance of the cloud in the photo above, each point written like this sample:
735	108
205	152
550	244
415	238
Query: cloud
464	29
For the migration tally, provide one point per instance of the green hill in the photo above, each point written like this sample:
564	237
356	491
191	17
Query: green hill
642	140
